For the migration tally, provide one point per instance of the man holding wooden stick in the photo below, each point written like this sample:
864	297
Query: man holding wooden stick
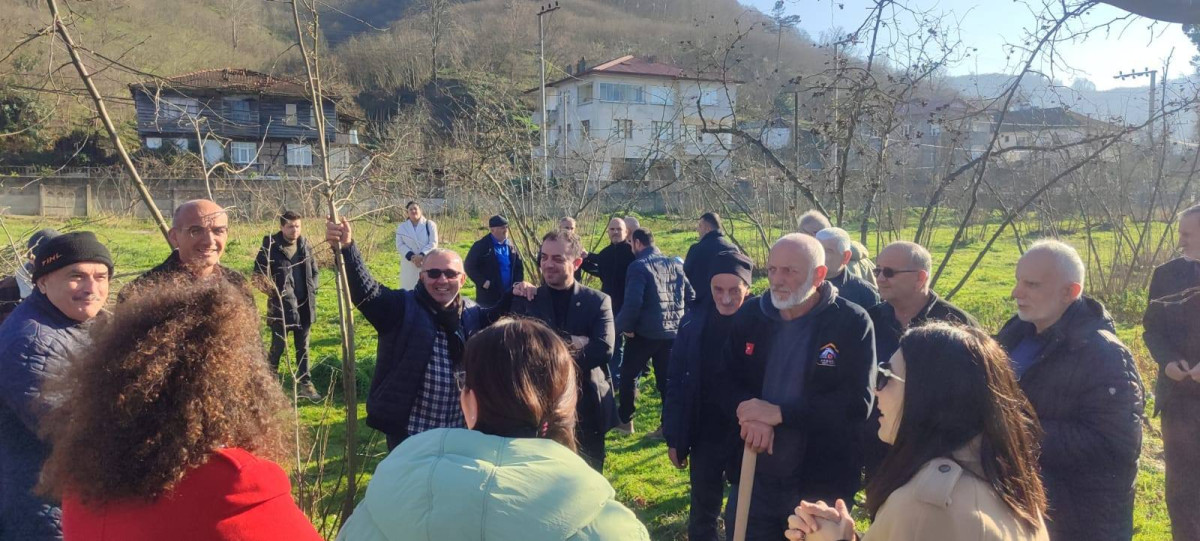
797	365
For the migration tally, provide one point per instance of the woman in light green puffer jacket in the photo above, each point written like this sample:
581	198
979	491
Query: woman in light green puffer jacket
513	475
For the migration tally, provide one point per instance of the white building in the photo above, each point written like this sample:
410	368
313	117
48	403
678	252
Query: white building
635	119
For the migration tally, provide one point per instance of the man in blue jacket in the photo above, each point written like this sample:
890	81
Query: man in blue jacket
700	434
71	276
422	333
1086	391
797	364
494	263
656	291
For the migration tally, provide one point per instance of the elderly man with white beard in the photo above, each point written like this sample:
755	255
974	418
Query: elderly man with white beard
797	365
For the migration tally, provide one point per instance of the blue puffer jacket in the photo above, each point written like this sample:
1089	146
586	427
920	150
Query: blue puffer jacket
35	342
656	291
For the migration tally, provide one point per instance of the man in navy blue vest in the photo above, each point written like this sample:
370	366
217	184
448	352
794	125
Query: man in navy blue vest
422	333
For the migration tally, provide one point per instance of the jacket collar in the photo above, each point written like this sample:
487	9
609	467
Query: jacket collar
648	252
968	456
714	234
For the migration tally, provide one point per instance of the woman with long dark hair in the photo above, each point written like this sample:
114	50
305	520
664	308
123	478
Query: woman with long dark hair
171	424
962	463
513	474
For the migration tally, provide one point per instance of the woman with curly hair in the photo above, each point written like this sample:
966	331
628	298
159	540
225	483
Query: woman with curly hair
514	474
172	426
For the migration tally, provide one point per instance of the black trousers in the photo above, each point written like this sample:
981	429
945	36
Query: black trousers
707	462
772	501
300	342
639	351
1181	449
591	448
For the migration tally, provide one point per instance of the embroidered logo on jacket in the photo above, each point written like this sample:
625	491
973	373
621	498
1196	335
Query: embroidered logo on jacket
749	348
828	355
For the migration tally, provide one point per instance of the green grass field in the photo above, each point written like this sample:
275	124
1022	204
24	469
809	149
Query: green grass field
637	467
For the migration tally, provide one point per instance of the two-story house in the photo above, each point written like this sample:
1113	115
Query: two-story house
636	119
255	122
1049	127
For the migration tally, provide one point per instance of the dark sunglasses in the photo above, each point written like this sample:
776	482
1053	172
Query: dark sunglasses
888	272
450	274
460	379
883	373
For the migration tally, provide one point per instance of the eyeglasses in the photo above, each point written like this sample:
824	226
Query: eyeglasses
460	379
888	272
450	274
883	373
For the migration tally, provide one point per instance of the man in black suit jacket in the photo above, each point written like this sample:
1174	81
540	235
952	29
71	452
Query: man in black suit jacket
583	318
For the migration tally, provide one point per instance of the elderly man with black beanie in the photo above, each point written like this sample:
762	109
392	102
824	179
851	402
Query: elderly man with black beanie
71	274
698	430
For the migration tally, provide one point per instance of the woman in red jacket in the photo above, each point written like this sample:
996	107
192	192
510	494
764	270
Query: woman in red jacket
172	426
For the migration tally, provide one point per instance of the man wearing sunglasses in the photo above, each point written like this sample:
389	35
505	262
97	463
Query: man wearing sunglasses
797	365
1086	391
199	230
422	333
902	273
584	318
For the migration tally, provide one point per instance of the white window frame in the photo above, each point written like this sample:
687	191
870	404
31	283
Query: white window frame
291	115
621	93
354	136
242	152
299	155
623	128
154	143
586	92
710	97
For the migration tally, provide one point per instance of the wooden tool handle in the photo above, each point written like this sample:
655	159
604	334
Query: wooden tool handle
745	486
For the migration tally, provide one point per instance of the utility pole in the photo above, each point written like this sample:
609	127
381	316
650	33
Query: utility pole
542	63
1153	82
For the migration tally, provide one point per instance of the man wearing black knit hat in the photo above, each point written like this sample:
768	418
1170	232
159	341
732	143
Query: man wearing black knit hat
697	428
70	274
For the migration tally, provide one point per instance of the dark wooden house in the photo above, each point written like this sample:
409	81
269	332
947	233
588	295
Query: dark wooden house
257	123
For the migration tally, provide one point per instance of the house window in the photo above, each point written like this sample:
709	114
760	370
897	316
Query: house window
585	93
243	153
585	128
181	144
623	128
239	111
299	155
620	92
354	137
710	97
663	131
289	115
154	143
172	108
660	95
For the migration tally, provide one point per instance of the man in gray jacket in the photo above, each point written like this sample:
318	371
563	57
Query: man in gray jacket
656	291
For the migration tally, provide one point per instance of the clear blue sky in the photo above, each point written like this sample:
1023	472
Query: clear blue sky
989	24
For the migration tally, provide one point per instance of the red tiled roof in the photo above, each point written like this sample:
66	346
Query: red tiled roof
231	80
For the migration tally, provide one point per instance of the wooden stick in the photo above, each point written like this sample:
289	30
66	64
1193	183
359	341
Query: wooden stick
745	487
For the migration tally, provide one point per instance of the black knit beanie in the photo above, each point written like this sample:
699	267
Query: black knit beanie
731	262
68	249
